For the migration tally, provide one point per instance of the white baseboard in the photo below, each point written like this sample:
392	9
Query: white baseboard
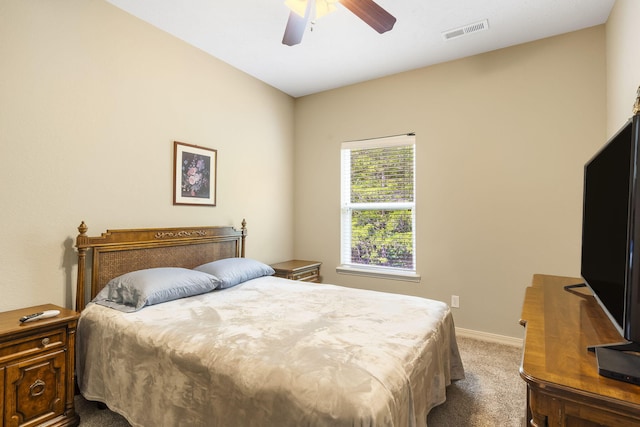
486	336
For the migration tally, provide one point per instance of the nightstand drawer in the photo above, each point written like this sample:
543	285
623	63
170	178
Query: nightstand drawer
35	390
307	276
32	344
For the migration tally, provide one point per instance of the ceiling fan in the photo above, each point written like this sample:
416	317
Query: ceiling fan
304	10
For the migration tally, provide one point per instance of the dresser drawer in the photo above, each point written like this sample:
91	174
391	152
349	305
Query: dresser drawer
32	344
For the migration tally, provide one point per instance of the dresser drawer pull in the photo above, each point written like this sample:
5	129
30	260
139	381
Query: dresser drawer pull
45	341
37	388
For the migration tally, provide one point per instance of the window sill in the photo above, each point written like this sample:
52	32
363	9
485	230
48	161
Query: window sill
379	273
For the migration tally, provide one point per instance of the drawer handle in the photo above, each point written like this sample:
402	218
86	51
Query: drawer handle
45	341
37	388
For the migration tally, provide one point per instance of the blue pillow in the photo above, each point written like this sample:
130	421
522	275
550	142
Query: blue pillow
132	291
233	271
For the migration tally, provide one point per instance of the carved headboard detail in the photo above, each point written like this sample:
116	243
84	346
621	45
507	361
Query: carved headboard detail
116	252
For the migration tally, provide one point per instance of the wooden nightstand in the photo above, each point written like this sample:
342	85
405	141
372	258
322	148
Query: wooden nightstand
37	361
295	269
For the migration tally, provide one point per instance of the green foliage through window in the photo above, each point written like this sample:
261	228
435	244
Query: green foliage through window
382	238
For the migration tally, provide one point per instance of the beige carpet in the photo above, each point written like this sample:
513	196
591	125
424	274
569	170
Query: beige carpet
492	394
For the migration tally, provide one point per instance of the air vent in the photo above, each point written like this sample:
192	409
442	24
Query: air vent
467	29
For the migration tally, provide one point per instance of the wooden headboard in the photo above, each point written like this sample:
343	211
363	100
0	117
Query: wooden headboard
116	252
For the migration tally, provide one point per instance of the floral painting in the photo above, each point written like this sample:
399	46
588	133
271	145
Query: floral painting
194	175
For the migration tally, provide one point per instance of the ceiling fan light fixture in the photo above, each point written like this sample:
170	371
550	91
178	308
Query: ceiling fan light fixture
303	11
323	7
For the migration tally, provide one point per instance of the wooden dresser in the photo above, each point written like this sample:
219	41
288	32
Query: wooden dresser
296	269
37	368
563	384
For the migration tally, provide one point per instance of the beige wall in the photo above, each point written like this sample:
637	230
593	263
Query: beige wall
501	141
91	100
623	62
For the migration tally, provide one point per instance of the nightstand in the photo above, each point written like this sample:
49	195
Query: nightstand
295	269
37	361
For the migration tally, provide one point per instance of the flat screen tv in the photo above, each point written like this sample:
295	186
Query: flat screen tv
610	263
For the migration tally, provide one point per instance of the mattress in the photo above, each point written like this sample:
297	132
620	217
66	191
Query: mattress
271	352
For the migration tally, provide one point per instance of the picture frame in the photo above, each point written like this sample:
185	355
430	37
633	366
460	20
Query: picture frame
194	174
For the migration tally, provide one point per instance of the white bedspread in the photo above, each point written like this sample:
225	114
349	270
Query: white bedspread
271	352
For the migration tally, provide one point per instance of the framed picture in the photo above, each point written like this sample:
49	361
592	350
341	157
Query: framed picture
194	175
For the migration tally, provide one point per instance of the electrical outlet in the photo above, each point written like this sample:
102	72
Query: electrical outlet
455	301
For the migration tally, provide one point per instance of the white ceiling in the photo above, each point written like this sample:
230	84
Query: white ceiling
343	50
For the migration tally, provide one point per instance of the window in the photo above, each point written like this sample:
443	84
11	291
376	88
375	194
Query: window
378	207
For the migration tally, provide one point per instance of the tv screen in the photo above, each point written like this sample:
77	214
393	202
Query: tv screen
608	230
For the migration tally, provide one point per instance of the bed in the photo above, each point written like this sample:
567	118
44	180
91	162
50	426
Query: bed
256	350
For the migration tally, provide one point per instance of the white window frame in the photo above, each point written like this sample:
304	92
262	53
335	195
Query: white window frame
346	267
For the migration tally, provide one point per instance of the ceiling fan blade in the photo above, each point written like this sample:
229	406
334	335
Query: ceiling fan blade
296	25
371	13
294	30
